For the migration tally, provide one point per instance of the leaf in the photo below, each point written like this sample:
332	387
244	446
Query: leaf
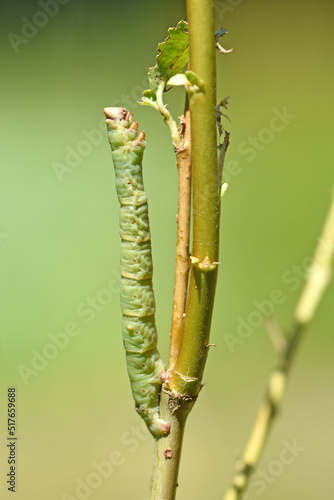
149	99
189	79
174	55
179	79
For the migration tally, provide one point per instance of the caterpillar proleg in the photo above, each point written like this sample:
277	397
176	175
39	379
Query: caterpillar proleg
145	367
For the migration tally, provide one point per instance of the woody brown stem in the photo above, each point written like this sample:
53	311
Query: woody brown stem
183	155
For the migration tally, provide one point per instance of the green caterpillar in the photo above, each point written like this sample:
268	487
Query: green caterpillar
145	367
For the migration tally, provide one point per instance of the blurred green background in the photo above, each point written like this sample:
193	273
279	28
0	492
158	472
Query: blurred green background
59	245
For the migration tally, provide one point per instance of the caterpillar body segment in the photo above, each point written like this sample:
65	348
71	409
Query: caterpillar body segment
145	367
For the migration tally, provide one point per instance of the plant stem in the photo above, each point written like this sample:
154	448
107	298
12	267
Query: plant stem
176	139
183	385
266	414
167	454
183	155
221	156
186	376
312	292
320	271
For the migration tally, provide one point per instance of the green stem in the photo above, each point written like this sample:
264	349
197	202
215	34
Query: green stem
312	292
167	453
265	417
184	382
176	139
186	376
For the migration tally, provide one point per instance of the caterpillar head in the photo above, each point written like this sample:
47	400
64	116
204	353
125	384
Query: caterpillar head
121	129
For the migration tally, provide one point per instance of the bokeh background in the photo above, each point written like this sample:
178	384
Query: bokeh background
79	436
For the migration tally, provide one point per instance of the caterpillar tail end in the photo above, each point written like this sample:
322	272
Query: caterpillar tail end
158	427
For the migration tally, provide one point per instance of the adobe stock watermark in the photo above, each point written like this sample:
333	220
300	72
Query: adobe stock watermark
130	441
91	139
31	27
221	7
3	237
254	144
267	475
250	148
292	278
88	309
75	155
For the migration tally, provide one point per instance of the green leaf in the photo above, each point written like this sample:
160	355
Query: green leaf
149	98
189	79
179	79
174	55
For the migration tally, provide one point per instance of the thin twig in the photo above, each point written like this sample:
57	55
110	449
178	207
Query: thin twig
171	124
312	292
276	335
183	155
221	156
